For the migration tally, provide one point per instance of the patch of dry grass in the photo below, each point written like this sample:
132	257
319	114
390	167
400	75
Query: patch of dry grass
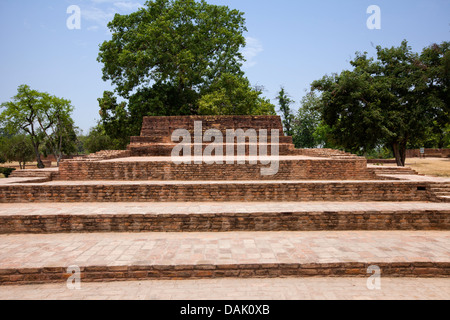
2	176
439	167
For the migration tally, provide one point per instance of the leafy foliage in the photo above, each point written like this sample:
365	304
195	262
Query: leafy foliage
45	118
285	108
307	122
17	148
6	171
98	140
388	101
170	58
232	95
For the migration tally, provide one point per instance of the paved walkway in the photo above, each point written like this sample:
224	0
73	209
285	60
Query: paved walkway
126	249
240	289
57	209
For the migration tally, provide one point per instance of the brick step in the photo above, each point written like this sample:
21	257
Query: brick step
226	191
113	256
165	150
394	170
325	153
441	191
33	173
222	217
444	198
155	139
165	169
103	155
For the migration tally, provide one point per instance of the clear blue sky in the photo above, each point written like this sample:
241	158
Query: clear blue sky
290	42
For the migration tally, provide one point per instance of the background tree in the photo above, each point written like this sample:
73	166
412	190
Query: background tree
42	116
164	58
285	108
58	127
22	114
98	140
435	61
307	122
17	148
233	95
386	101
2	139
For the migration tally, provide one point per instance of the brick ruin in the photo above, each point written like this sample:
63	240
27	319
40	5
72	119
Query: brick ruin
145	172
141	190
147	156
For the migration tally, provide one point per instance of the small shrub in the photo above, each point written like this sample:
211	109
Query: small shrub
6	171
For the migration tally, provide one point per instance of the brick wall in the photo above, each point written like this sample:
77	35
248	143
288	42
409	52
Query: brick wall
263	270
167	170
227	222
218	191
164	126
437	153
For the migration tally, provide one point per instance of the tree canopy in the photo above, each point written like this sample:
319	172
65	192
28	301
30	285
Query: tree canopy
45	118
184	43
17	148
393	100
171	58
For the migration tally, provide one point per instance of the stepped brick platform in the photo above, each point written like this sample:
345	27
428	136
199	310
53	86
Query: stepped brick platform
164	169
103	257
136	215
148	157
222	217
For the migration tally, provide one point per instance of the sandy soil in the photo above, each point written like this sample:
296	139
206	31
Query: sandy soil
439	167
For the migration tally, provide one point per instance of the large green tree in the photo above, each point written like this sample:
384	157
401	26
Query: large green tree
163	58
45	118
387	100
435	61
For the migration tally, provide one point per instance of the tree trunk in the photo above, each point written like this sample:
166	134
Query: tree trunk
58	159
399	153
40	165
403	153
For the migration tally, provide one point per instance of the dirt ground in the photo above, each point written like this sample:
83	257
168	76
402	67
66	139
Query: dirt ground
439	167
